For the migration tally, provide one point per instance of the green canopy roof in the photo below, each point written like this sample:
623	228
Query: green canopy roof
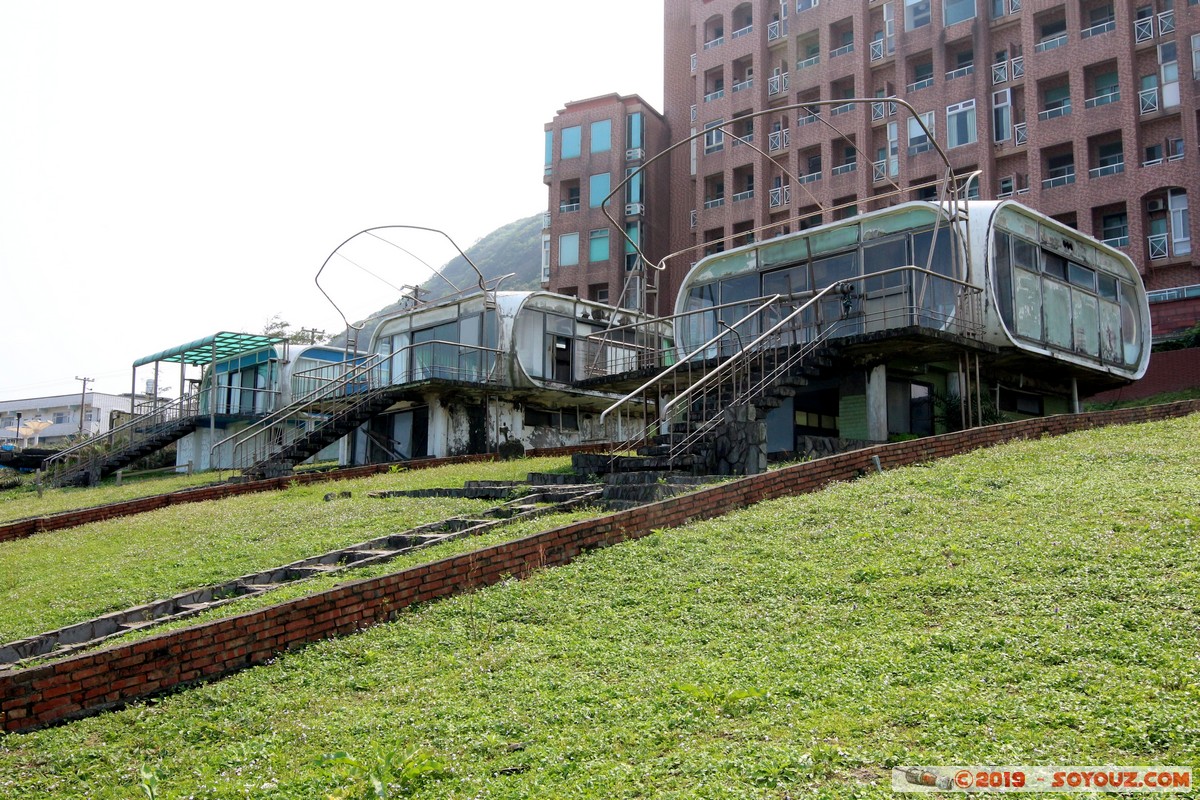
217	347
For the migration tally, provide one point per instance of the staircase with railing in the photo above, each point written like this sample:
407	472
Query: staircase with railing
767	355
343	396
155	425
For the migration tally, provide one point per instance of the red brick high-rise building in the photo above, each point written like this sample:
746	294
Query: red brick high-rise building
1085	110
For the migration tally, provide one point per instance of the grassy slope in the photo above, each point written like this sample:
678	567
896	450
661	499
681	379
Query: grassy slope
1033	603
24	502
61	577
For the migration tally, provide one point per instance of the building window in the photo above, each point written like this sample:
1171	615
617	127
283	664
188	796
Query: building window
1168	66
960	124
1115	228
633	132
918	139
61	417
549	148
545	257
1196	56
1002	115
601	136
633	188
958	11
598	189
916	14
568	249
714	137
633	238
571	142
598	245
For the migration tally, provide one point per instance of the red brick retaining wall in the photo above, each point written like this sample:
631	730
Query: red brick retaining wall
19	529
116	675
1169	371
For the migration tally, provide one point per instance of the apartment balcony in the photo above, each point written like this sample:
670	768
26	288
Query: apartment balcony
740	32
693	218
1063	110
921	84
1021	134
779	196
779	140
778	83
1018	67
1148	100
715	202
811	177
741	196
1058	180
844	169
881	110
841	51
693	62
545	220
714	95
1117	241
717	42
741	86
1096	30
695	112
807	119
1157	243
1107	169
776	30
1102	99
567	208
811	61
961	72
844	108
1052	43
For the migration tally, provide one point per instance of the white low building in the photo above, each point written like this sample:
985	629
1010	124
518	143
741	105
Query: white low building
56	419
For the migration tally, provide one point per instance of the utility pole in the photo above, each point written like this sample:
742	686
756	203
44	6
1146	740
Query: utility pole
312	333
83	400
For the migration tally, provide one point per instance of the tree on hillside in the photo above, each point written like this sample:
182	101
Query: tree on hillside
278	326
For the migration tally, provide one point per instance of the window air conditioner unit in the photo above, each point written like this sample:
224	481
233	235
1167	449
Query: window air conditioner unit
1156	204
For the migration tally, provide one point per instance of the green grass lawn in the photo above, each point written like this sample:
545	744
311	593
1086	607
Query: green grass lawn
24	502
61	577
1035	603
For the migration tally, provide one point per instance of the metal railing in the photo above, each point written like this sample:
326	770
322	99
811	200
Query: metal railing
841	51
1107	169
1102	99
1020	133
1051	43
1148	100
151	420
778	83
739	364
1157	242
1058	180
1143	29
780	139
779	196
1098	28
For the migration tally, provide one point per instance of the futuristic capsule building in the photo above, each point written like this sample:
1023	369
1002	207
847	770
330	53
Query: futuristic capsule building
923	302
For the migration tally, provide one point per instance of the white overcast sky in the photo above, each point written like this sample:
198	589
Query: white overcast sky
173	169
